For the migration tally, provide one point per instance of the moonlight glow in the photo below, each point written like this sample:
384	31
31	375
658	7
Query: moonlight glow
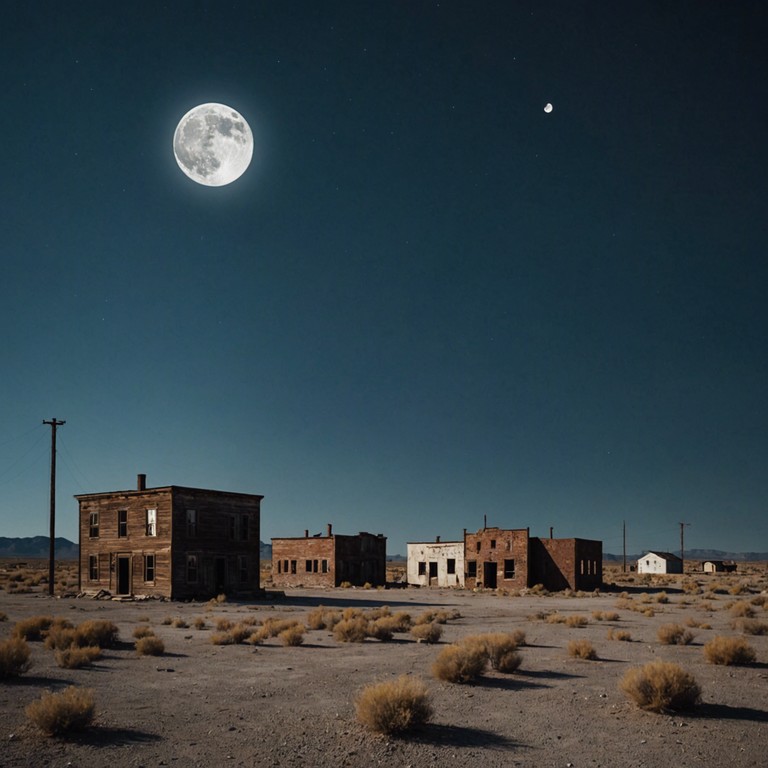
213	144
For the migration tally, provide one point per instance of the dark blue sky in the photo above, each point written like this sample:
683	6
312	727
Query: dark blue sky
427	300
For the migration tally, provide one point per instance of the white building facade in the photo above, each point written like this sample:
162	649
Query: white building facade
659	562
436	563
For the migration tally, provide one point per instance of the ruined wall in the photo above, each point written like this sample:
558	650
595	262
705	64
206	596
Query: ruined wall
436	564
361	559
306	561
560	564
496	558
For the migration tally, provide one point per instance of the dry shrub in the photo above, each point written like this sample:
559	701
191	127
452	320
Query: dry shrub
432	617
691	587
353	630
143	630
14	657
223	624
751	626
759	600
738	589
396	706
555	618
582	649
75	658
382	628
323	618
199	623
222	638
649	612
378	613
427	633
499	648
3	616
742	609
272	627
179	623
730	651
460	663
661	686
619	634
242	631
351	613
576	621
167	621
97	632
662	598
33	628
292	636
674	634
402	621
58	713
150	646
59	638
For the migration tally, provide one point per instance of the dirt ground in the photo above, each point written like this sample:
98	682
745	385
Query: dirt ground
202	704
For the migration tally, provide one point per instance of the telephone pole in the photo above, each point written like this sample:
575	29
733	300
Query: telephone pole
682	544
624	546
53	423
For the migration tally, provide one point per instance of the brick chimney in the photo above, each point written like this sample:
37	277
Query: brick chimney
330	530
306	533
141	482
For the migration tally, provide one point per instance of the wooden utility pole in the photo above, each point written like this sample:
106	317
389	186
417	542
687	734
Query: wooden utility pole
682	543
52	547
624	545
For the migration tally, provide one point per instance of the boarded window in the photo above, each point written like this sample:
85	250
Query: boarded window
93	521
191	523
149	567
122	523
192	569
472	569
242	568
151	522
93	567
509	569
451	565
422	568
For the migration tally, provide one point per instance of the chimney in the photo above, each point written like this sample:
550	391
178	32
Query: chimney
306	533
141	482
330	530
437	539
550	531
485	521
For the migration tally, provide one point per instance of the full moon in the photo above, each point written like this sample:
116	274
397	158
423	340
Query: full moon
548	108
213	144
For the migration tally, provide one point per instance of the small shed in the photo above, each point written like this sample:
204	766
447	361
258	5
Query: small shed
659	562
436	563
718	566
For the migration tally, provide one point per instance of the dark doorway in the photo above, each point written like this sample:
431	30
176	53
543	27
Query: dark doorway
220	574
123	575
432	570
489	575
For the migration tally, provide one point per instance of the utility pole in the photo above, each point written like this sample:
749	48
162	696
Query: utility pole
51	551
682	544
624	545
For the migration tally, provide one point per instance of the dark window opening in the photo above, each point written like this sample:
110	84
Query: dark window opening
493	543
472	569
293	566
191	523
149	567
422	568
192	569
93	567
94	525
509	569
242	567
122	523
244	528
478	546
432	570
325	566
451	565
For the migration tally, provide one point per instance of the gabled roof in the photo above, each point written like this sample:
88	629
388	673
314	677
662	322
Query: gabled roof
662	555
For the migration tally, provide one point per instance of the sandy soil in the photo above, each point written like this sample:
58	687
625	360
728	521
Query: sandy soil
269	705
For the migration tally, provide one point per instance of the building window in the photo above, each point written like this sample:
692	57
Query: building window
93	522
244	527
422	568
477	547
122	523
232	526
472	569
191	523
293	566
192	569
325	566
432	569
93	567
493	543
149	567
151	522
242	568
451	565
309	566
509	569
279	566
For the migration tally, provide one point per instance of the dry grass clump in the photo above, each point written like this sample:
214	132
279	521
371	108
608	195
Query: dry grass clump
674	634
143	630
179	623
691	587
292	636
3	616
554	618
432	617
619	634
60	637
272	627
58	713
576	621
661	686
33	628
241	632
382	628
14	657
582	649
500	649
223	624
402	621
396	706
751	626
662	598
605	615
323	618
97	632
742	609
150	646
427	633
199	622
75	657
222	638
729	651
460	663
352	630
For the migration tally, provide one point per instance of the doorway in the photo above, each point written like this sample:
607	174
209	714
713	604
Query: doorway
432	570
123	575
220	574
489	575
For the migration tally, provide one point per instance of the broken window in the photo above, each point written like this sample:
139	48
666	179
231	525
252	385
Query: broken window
149	567
422	568
509	569
192	569
293	566
314	566
472	569
151	522
309	566
493	543
122	523
94	525
191	523
451	565
325	566
93	567
478	546
279	566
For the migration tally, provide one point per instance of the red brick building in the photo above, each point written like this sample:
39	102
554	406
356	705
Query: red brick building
330	560
172	542
498	558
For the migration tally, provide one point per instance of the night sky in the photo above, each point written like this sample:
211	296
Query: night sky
427	300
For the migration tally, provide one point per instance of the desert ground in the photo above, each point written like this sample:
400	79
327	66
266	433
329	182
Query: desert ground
204	704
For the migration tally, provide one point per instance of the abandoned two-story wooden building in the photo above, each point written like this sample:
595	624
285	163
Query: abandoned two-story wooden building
330	560
173	541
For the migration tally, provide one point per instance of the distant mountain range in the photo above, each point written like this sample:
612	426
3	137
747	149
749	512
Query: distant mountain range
37	546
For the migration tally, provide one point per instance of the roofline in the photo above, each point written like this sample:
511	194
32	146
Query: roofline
437	543
167	488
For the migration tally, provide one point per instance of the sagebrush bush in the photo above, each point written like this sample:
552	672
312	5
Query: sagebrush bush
272	627
402	621
75	657
59	638
432	617
499	648
143	630
427	633
33	628
730	651
179	623
150	646
396	706
58	713
382	628
14	657
661	686
292	636
460	663
582	649
619	634
751	626
674	634
353	630
222	638
97	632
742	609
576	621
